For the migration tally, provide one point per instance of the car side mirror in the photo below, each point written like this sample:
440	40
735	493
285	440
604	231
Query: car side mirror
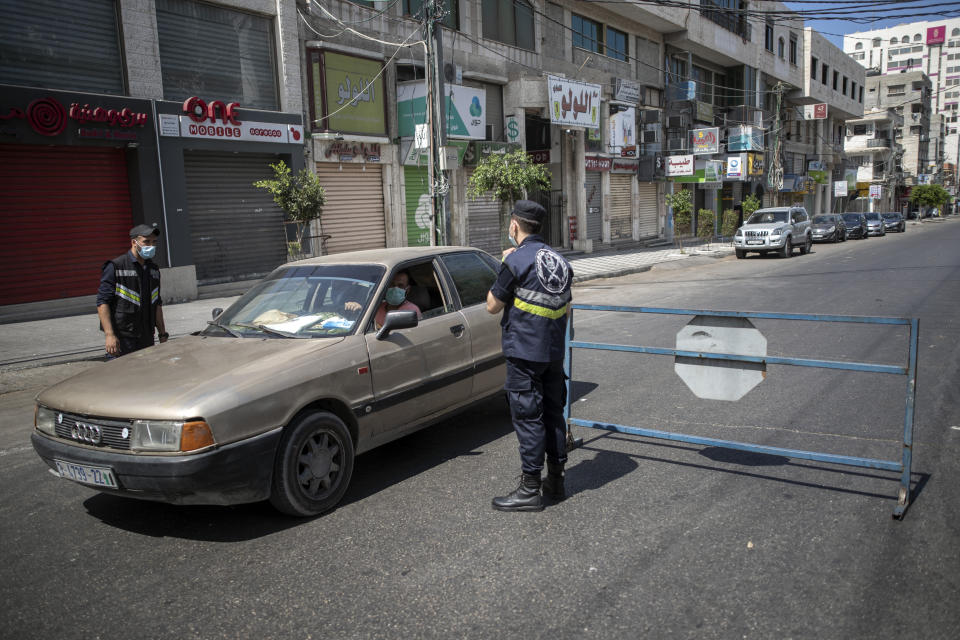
397	320
216	312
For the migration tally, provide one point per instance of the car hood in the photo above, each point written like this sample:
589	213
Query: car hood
767	226
172	380
822	226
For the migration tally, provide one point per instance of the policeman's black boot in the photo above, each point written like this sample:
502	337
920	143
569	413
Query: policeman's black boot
553	483
526	497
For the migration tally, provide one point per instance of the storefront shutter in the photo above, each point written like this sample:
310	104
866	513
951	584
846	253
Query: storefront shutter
416	181
39	48
78	196
236	230
592	184
647	205
621	200
483	224
353	215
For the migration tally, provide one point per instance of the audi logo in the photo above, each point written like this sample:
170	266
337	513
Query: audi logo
86	433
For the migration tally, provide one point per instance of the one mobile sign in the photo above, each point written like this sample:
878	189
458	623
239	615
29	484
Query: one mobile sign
815	111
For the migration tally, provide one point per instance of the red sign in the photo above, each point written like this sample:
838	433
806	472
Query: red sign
199	111
597	163
539	157
936	35
49	118
820	111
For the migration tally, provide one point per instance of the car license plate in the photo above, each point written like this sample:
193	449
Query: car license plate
96	476
817	236
754	241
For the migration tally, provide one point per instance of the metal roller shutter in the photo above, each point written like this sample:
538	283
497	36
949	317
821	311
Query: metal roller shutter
39	47
77	195
647	205
621	201
592	184
353	215
483	224
418	205
236	230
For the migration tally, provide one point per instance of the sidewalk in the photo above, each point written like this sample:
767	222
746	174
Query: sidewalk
59	340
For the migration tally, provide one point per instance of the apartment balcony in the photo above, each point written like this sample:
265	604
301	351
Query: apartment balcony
878	143
732	22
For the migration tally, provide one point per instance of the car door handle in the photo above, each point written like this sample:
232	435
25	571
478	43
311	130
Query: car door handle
457	330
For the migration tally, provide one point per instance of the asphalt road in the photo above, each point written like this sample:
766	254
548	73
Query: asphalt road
657	540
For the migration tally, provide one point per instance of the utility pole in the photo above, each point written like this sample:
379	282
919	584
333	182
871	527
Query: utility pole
436	116
775	173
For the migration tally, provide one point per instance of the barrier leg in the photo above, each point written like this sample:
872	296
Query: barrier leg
903	497
572	443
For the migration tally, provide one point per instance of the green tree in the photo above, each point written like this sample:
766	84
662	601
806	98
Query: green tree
508	177
728	223
929	195
682	204
301	197
705	223
749	204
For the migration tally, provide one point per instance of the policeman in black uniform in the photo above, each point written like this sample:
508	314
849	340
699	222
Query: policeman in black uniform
533	290
128	301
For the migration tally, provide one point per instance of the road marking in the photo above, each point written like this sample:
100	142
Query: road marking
955	428
6	452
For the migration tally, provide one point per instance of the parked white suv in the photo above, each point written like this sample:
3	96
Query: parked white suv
779	229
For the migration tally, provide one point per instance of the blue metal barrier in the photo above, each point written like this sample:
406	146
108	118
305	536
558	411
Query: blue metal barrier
910	371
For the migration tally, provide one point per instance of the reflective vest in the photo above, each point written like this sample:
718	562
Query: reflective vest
534	323
132	309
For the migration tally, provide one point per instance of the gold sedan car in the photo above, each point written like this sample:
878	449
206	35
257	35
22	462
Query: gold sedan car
278	394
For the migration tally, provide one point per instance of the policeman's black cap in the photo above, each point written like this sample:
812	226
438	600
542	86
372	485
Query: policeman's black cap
145	230
528	210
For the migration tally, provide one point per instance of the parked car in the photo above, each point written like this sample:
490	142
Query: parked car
893	221
856	225
828	227
778	229
275	398
875	224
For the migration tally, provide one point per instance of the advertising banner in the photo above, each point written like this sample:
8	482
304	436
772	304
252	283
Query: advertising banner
245	131
865	173
875	191
478	150
736	167
626	90
936	35
621	165
705	141
680	165
574	103
623	133
755	164
713	171
840	188
466	110
745	138
815	111
354	100
597	163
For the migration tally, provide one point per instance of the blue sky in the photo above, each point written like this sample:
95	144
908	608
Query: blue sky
840	27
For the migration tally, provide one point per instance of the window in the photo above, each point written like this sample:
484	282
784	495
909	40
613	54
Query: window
472	276
616	44
451	10
768	36
509	22
876	42
859	46
853	90
780	48
823	73
586	34
813	68
893	41
905	39
917	37
844	92
793	49
219	51
861	94
836	80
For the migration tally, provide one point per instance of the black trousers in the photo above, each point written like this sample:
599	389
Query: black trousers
129	345
537	393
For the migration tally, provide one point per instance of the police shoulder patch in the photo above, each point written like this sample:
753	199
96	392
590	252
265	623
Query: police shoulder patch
552	271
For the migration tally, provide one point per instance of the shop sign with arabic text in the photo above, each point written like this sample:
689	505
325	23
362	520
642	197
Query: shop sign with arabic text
353	98
680	165
705	141
574	103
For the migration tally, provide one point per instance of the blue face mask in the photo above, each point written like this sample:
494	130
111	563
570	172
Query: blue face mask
146	251
396	296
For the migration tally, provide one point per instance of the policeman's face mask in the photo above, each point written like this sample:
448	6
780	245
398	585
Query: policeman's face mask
146	251
510	233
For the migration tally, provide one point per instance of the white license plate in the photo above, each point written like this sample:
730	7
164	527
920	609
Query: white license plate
96	476
754	241
817	236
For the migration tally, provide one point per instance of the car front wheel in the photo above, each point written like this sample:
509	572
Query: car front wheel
741	254
805	249
313	465
787	249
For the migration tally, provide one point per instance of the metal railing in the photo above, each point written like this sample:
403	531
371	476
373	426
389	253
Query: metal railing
909	371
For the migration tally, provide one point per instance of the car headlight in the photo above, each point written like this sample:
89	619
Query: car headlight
169	435
776	232
739	233
45	420
830	229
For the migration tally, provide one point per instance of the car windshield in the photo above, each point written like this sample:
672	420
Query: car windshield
891	216
310	301
824	220
766	217
852	217
873	216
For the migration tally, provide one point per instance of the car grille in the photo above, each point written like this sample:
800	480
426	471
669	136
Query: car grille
756	234
111	431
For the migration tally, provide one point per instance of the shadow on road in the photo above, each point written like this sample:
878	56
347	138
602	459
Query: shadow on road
462	435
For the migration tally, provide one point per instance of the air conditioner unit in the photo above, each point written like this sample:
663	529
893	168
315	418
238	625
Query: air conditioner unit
676	122
650	116
649	136
676	144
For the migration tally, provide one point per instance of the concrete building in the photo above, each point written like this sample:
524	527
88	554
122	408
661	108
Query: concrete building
933	47
143	111
872	151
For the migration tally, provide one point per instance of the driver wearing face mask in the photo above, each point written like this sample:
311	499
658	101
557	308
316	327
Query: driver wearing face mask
396	298
128	301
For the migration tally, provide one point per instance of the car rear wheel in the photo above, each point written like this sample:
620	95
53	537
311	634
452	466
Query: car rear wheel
313	466
787	249
805	249
741	254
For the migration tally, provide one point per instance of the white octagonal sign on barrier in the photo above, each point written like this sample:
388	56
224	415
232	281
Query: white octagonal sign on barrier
720	379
